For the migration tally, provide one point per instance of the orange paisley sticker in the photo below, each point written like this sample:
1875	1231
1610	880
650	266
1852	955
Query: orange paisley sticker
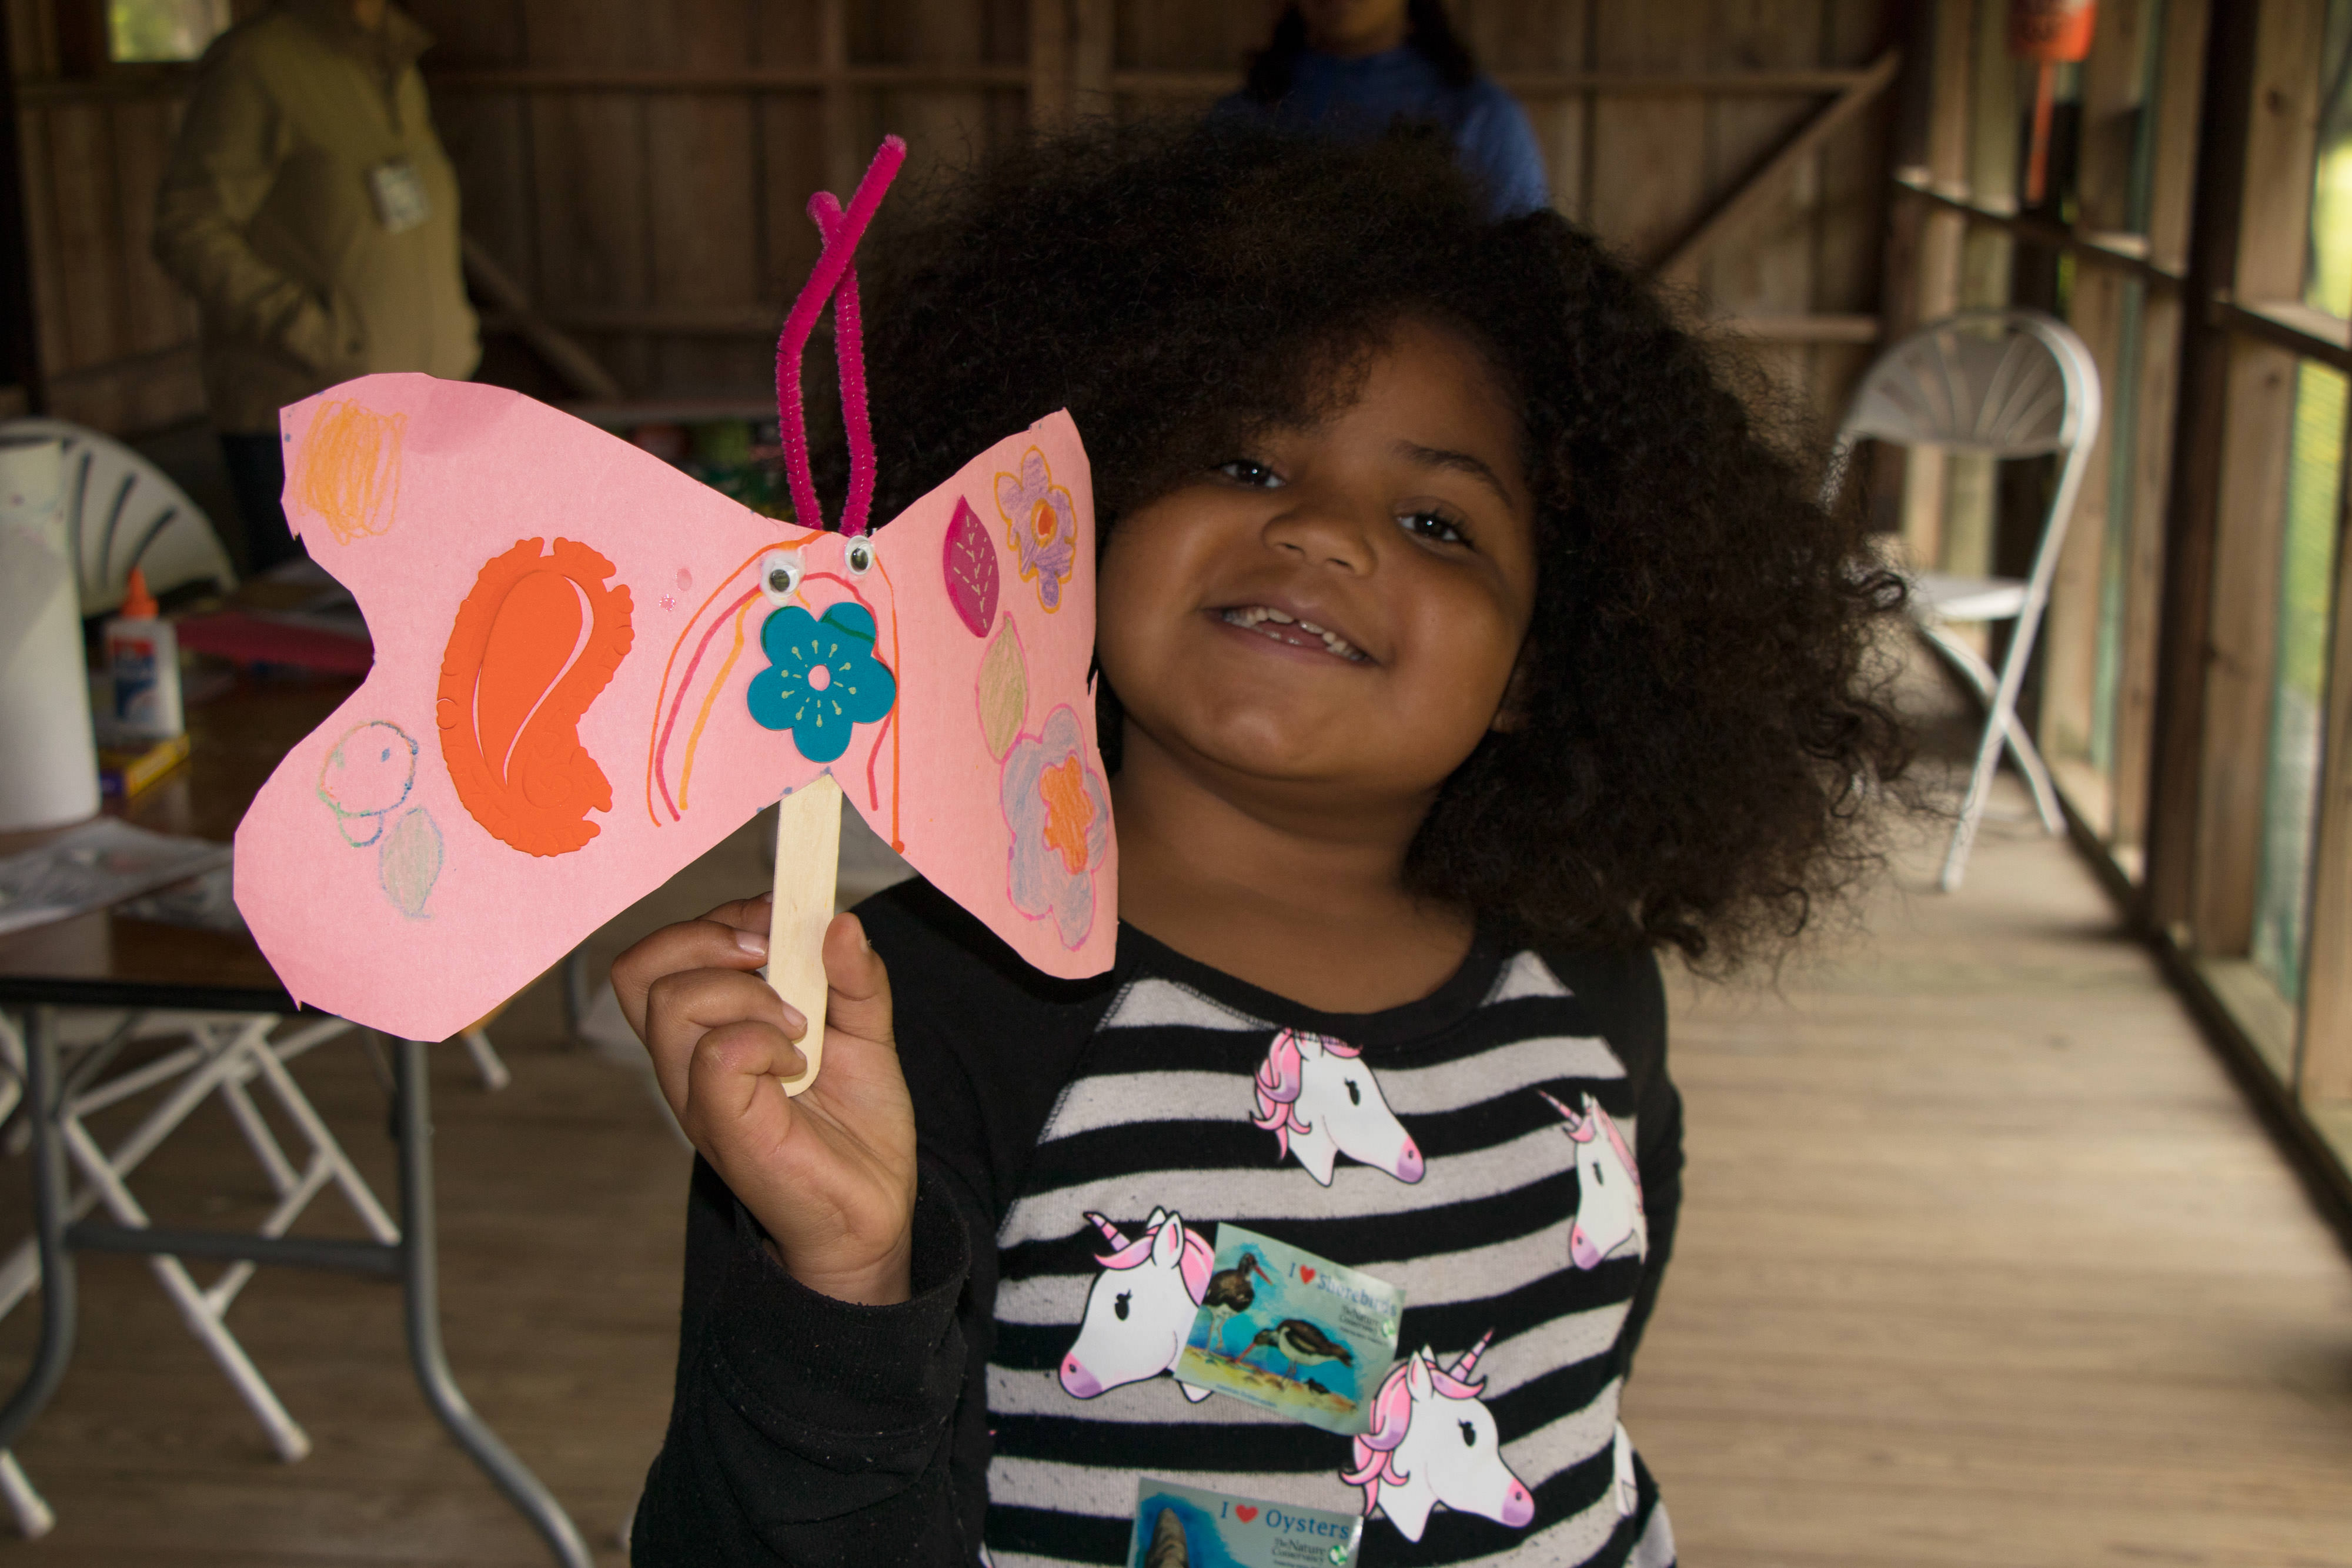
535	640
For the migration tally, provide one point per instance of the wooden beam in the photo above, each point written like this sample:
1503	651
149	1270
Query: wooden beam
2124	252
2324	1051
839	117
2173	113
20	352
2290	324
2258	424
1762	187
718	80
1049	64
1547	84
1815	329
1093	42
564	355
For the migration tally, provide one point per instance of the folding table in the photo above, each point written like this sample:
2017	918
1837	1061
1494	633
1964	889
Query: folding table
104	960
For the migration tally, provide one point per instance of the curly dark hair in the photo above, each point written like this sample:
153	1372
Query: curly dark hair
1704	722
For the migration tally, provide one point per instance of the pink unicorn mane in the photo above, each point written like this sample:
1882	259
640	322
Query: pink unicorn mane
1281	1077
1579	1128
1198	1262
1392	1419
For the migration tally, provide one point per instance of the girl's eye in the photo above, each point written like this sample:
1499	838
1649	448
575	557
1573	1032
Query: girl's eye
1248	471
1434	527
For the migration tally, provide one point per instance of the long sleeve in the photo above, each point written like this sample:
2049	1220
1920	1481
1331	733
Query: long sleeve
806	1430
224	165
809	1432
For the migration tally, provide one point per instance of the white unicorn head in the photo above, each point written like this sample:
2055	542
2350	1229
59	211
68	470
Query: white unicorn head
1433	1445
1609	1214
1320	1101
1141	1307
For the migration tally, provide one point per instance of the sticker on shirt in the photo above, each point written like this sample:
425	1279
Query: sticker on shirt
1291	1332
1319	1101
399	192
1141	1306
1182	1527
1433	1445
1610	1219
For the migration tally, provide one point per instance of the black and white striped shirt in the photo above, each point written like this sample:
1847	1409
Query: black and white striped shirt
1471	1148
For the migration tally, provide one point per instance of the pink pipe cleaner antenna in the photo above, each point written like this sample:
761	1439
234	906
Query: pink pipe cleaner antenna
832	279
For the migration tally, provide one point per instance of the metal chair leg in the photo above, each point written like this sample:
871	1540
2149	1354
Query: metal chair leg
420	1265
57	1303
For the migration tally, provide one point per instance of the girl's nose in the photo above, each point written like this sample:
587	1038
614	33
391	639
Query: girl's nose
1323	531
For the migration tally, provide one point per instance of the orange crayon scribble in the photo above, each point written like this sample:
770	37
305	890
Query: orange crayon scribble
517	676
718	682
347	469
1069	812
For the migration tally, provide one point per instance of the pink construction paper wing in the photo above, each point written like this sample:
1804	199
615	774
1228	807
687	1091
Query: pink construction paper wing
590	669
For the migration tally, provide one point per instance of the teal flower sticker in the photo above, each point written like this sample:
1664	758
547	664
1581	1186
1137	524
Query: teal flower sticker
822	678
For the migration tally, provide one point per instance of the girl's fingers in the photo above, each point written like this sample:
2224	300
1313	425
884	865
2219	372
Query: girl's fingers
732	936
681	1008
859	1004
731	1101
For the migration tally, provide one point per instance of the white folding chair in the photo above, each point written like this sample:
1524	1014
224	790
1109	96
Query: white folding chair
2003	383
226	1053
122	511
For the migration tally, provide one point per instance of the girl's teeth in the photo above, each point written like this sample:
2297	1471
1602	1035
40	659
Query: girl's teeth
1257	616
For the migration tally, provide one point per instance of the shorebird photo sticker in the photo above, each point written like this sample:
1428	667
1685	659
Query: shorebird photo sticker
1291	1332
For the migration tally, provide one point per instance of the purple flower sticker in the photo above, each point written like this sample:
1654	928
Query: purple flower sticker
968	560
1044	524
1059	812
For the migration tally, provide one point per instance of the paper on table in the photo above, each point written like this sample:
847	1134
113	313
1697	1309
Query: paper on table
590	668
100	862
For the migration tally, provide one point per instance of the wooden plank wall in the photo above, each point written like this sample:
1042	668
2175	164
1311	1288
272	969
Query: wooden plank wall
116	338
642	169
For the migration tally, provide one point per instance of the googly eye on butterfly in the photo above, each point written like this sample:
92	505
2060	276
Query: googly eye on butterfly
606	667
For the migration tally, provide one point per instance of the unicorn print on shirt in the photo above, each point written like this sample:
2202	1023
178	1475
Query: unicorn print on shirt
1433	1445
1320	1101
1141	1306
1609	1218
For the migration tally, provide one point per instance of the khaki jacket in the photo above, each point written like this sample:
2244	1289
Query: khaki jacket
270	212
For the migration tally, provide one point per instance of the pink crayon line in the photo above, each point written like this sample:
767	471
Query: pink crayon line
678	701
652	753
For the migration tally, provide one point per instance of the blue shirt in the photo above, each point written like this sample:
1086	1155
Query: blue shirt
1362	97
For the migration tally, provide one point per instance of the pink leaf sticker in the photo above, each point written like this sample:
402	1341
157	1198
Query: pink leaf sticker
969	560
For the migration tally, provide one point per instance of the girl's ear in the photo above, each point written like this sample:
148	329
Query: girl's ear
1512	711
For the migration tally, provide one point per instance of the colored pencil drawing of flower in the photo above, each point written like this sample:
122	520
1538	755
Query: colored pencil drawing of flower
822	678
1059	812
1043	526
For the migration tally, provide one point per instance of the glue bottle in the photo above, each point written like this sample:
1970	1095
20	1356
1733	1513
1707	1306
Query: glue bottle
143	655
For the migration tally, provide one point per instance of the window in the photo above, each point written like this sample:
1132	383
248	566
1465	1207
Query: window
146	31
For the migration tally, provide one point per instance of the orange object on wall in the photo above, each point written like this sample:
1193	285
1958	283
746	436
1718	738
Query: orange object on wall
2055	32
534	643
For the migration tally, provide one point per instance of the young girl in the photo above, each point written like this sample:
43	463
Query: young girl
1462	642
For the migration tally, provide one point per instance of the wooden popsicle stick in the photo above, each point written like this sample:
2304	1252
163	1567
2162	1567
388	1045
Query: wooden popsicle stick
808	857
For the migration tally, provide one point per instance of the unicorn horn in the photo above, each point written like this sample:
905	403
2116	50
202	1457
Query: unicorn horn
1111	1232
1557	1106
1468	1363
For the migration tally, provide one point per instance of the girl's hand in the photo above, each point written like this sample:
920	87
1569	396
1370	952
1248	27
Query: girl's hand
830	1174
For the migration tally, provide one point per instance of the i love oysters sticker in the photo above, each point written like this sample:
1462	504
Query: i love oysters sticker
1182	1527
1291	1332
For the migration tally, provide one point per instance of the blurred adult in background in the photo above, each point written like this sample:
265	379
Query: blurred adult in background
1355	65
310	210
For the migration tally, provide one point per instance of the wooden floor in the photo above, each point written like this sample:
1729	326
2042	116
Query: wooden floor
1983	1262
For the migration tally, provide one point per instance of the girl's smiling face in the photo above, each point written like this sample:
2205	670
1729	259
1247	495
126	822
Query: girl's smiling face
1339	606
